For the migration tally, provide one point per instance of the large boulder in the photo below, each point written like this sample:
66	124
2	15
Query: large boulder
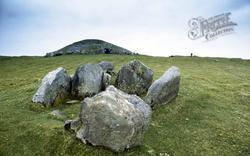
107	66
87	80
54	89
164	89
134	78
114	119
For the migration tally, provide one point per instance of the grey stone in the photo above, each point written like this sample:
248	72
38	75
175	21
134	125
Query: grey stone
54	89
114	119
58	114
164	89
72	102
106	80
80	135
73	125
107	66
87	80
134	78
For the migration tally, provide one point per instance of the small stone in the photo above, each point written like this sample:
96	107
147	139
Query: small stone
73	125
151	151
72	102
58	114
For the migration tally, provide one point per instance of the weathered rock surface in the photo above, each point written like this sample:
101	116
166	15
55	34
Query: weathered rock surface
54	89
73	125
134	78
164	89
106	81
114	119
107	66
90	46
87	80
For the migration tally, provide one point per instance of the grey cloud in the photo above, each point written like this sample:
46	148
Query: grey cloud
143	25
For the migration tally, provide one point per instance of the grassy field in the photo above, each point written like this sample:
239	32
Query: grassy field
211	115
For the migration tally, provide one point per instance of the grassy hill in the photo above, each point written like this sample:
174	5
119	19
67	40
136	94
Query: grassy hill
211	115
90	46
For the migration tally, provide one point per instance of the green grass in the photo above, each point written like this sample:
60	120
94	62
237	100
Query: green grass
211	115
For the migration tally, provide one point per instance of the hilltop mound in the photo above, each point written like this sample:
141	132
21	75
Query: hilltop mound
90	46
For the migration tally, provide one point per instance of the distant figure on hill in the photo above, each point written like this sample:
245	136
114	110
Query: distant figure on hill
191	55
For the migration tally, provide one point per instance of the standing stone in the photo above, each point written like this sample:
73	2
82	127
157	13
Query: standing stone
107	66
54	89
134	78
87	80
114	119
165	88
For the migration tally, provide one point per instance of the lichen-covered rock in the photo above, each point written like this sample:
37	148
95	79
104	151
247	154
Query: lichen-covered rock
164	89
106	80
87	80
107	66
134	78
54	89
73	125
114	119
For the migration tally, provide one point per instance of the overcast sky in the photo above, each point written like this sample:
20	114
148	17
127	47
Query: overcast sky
153	27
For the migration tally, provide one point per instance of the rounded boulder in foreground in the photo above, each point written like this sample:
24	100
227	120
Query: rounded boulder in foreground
114	119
